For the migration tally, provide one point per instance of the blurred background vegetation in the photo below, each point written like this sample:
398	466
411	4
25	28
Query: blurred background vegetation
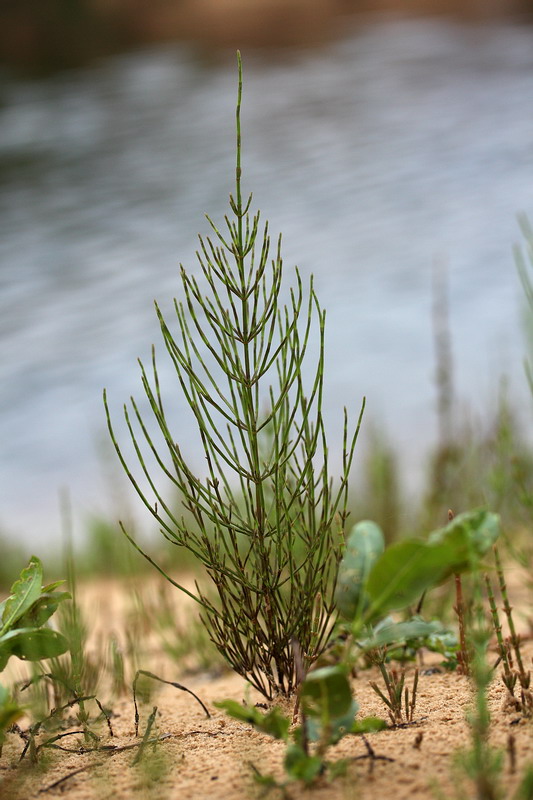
39	36
476	461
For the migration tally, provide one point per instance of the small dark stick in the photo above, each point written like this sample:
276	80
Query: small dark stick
418	740
299	668
161	680
371	755
511	750
65	778
410	712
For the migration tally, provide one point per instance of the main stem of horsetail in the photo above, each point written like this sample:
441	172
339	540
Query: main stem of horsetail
249	406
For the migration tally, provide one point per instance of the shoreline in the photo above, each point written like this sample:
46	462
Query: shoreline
36	41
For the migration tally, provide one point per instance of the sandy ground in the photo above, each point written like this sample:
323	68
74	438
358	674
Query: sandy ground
207	757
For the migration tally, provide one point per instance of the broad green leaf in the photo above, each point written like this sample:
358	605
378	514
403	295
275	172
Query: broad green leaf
368	725
300	766
326	693
274	723
9	712
42	609
52	586
5	654
268	781
444	642
337	726
405	571
238	711
31	644
24	593
480	527
364	546
408	568
400	632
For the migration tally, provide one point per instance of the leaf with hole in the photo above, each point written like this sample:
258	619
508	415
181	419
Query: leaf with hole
24	593
42	609
31	644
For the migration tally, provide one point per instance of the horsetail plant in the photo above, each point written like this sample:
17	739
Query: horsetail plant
513	665
267	521
397	693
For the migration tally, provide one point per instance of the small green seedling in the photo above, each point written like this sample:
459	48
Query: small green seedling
400	703
23	629
328	713
403	640
24	614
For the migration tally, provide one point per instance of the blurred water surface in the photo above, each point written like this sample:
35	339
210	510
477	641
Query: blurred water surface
403	145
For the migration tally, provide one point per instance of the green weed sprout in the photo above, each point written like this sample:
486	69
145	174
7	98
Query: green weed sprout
23	629
399	703
24	614
267	521
328	713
